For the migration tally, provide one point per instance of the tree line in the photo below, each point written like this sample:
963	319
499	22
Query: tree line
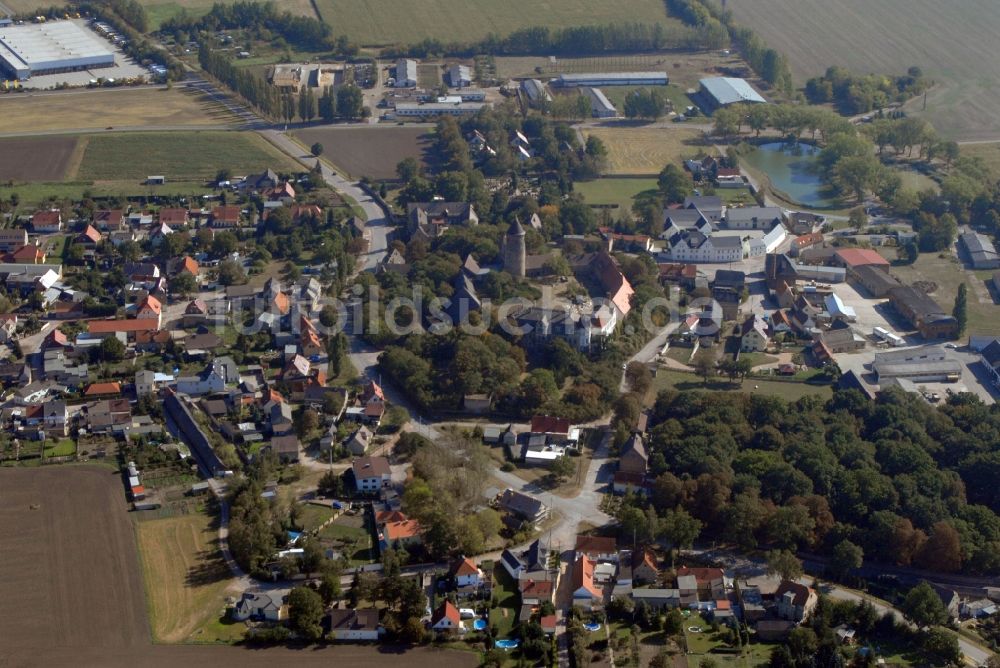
300	31
769	64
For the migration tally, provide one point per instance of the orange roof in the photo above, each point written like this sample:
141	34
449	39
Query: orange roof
808	239
190	265
149	302
112	326
465	566
722	604
281	303
583	576
404	529
91	234
373	391
103	388
856	257
548	622
446	609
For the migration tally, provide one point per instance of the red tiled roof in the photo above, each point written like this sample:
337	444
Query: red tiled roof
533	588
228	213
702	575
583	576
465	566
547	424
173	216
91	234
149	302
190	265
404	529
856	257
112	326
596	544
103	388
446	609
49	217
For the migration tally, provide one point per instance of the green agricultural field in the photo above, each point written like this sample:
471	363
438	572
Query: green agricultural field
614	191
379	22
178	155
952	41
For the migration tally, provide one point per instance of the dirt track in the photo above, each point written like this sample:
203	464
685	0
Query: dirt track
73	592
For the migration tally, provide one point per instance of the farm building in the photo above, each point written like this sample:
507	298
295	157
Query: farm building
923	313
431	109
406	73
49	48
459	76
535	90
724	91
613	79
982	254
600	105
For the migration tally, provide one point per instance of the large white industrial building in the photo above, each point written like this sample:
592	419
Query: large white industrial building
49	48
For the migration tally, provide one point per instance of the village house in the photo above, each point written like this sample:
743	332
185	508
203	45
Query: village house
465	573
632	466
261	605
12	238
597	548
429	220
522	508
532	562
795	601
753	335
359	442
446	618
47	222
586	593
225	216
371	474
354	624
399	534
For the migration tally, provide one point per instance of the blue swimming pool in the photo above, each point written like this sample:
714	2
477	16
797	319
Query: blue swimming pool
479	624
507	644
592	626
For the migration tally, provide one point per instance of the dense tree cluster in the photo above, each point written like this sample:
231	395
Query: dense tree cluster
646	103
907	483
856	94
263	17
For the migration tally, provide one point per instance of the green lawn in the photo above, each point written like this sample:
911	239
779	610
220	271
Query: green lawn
348	536
504	616
790	390
312	516
620	191
178	155
947	272
757	359
62	448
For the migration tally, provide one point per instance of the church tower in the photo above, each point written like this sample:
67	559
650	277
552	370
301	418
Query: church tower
514	253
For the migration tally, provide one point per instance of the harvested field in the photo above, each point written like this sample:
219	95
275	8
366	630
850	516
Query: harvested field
72	574
345	655
951	41
70	567
82	110
178	155
186	578
26	6
379	22
36	158
645	150
369	151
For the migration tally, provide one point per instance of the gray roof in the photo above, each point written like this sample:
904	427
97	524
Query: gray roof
945	367
520	504
730	90
727	241
751	213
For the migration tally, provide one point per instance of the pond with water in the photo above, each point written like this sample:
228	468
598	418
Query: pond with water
793	171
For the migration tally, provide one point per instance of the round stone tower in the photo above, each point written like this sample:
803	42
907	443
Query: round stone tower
514	253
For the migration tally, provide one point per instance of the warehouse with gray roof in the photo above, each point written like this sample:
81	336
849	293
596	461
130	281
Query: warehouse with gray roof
50	48
613	79
723	91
